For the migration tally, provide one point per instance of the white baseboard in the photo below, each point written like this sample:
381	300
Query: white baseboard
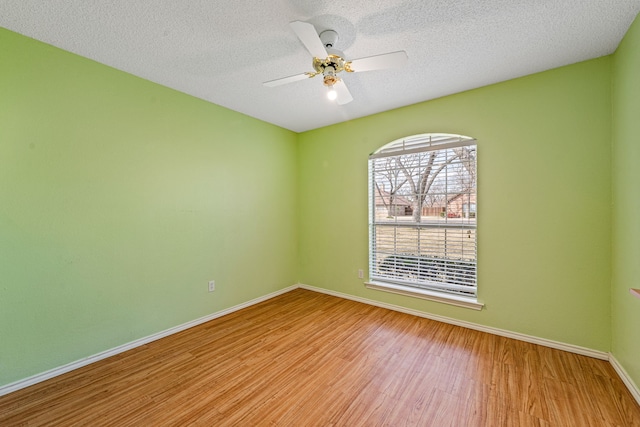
626	379
20	384
495	331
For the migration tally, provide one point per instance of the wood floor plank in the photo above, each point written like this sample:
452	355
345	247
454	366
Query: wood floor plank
305	358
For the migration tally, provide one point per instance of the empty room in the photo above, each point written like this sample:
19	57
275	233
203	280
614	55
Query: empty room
298	213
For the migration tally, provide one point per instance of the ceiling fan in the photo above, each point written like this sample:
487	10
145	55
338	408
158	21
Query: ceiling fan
329	62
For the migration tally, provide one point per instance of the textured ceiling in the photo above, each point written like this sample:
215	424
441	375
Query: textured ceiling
222	51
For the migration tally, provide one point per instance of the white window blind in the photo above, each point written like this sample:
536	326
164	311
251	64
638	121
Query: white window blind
423	213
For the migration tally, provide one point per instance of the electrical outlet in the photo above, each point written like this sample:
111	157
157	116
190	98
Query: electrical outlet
360	274
212	285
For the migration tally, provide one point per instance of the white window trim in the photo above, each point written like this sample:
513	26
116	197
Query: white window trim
411	145
411	291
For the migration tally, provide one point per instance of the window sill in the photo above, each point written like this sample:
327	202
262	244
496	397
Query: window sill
459	301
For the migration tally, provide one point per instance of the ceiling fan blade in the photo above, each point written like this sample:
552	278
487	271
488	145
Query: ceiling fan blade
344	96
285	80
378	62
309	37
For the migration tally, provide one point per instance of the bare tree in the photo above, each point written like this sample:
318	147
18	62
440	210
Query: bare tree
465	175
392	180
467	158
421	171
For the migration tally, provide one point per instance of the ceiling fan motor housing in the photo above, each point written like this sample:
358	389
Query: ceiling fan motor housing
328	38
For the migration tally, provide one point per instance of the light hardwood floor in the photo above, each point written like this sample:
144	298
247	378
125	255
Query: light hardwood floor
309	359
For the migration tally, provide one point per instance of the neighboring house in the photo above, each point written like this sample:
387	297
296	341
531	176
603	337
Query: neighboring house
392	205
460	206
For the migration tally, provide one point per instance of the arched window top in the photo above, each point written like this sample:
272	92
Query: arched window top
421	142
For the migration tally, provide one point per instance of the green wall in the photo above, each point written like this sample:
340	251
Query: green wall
626	204
119	200
543	201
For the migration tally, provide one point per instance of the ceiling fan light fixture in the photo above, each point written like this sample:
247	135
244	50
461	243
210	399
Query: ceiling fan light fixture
332	94
330	80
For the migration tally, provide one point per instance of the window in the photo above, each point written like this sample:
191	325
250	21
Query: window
422	218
